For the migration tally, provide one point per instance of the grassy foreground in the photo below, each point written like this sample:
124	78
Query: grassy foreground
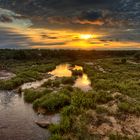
111	110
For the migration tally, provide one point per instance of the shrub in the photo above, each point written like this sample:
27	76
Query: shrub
56	83
31	95
56	137
51	83
77	72
70	110
127	107
65	124
81	99
68	80
103	97
55	128
21	78
44	67
69	88
47	83
52	102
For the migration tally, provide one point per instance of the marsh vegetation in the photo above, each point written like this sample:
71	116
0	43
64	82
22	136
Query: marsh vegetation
109	106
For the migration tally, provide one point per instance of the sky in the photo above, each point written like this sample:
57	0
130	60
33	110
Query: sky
70	24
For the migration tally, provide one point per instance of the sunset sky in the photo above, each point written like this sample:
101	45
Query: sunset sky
70	24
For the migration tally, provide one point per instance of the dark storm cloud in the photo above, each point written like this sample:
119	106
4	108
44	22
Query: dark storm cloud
101	15
91	15
100	12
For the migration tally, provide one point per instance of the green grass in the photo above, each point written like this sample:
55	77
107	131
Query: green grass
52	102
132	108
77	72
73	104
31	95
68	80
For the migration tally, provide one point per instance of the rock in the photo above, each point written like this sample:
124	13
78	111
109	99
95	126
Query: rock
43	124
41	110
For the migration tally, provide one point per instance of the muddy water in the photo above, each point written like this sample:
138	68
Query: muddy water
17	119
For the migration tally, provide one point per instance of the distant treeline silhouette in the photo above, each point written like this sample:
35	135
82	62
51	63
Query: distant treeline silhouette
36	54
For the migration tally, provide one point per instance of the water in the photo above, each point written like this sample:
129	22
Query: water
64	70
83	83
17	119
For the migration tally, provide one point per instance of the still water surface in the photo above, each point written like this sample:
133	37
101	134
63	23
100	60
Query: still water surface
65	70
17	119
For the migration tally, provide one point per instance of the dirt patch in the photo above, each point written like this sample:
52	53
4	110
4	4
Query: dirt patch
6	75
106	125
111	123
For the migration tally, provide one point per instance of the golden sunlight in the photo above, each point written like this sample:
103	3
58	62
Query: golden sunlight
86	36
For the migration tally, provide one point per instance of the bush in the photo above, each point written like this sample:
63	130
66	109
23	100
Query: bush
132	108
103	97
65	124
44	67
70	110
11	84
56	83
51	83
31	95
81	99
68	80
77	72
21	78
69	88
56	137
47	83
52	102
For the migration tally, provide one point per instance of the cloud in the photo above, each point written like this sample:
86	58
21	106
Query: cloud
90	17
109	13
117	19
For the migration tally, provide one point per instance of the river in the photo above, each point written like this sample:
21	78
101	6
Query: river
17	119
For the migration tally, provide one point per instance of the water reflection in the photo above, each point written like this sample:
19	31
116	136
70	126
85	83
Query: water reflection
62	70
83	83
65	70
17	119
76	67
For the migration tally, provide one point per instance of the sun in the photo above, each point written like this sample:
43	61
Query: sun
86	36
